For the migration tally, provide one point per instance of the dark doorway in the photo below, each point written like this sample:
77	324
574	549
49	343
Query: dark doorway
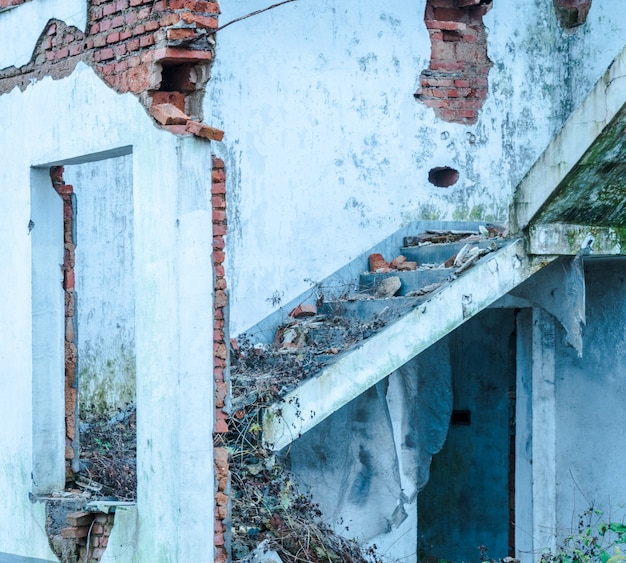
469	499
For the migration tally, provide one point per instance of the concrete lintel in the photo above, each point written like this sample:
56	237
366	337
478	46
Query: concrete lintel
392	347
12	558
113	152
580	131
569	240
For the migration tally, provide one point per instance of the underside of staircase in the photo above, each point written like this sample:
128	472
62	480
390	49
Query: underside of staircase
329	351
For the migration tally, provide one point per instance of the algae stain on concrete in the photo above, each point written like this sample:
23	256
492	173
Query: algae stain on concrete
106	385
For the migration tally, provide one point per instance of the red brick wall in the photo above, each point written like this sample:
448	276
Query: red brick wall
71	351
220	356
90	531
455	83
10	3
129	42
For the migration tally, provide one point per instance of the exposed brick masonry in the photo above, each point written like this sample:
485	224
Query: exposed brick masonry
91	532
71	353
155	49
455	83
4	4
220	359
572	13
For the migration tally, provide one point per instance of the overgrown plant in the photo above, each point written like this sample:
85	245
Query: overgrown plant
596	540
270	509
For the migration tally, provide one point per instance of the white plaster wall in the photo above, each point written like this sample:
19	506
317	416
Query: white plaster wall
327	152
20	27
105	284
590	395
56	121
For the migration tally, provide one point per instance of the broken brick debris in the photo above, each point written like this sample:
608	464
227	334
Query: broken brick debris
407	266
303	310
168	114
378	264
204	131
174	98
398	260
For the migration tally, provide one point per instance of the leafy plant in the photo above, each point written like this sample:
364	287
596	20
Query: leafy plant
595	541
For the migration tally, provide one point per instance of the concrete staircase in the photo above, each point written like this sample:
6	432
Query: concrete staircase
329	350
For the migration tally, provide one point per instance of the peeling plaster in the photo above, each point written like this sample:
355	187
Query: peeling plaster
29	20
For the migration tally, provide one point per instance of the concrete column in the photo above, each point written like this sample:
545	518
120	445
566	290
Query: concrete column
535	441
543	431
194	271
523	438
48	318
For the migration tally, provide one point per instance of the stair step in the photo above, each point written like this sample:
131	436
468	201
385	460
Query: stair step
410	281
440	252
366	309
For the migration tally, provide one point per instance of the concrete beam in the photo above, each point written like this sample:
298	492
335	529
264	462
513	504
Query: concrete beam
375	358
578	134
11	558
569	240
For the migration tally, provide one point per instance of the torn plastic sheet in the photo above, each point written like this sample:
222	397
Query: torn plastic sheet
559	289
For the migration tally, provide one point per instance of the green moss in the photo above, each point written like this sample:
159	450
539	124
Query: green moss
477	213
426	212
459	215
106	385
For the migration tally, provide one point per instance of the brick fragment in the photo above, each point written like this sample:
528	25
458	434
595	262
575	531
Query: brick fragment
175	98
221	427
221	298
203	22
204	131
377	263
168	114
398	260
303	310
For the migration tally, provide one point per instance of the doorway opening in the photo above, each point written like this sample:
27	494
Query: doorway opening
85	224
102	325
467	510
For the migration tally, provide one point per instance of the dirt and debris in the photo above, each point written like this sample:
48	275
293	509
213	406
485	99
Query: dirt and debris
434	236
108	456
270	508
301	347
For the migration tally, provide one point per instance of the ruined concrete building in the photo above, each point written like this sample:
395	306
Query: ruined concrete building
374	247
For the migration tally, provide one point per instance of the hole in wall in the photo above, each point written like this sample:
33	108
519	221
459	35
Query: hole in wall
178	78
461	418
443	176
